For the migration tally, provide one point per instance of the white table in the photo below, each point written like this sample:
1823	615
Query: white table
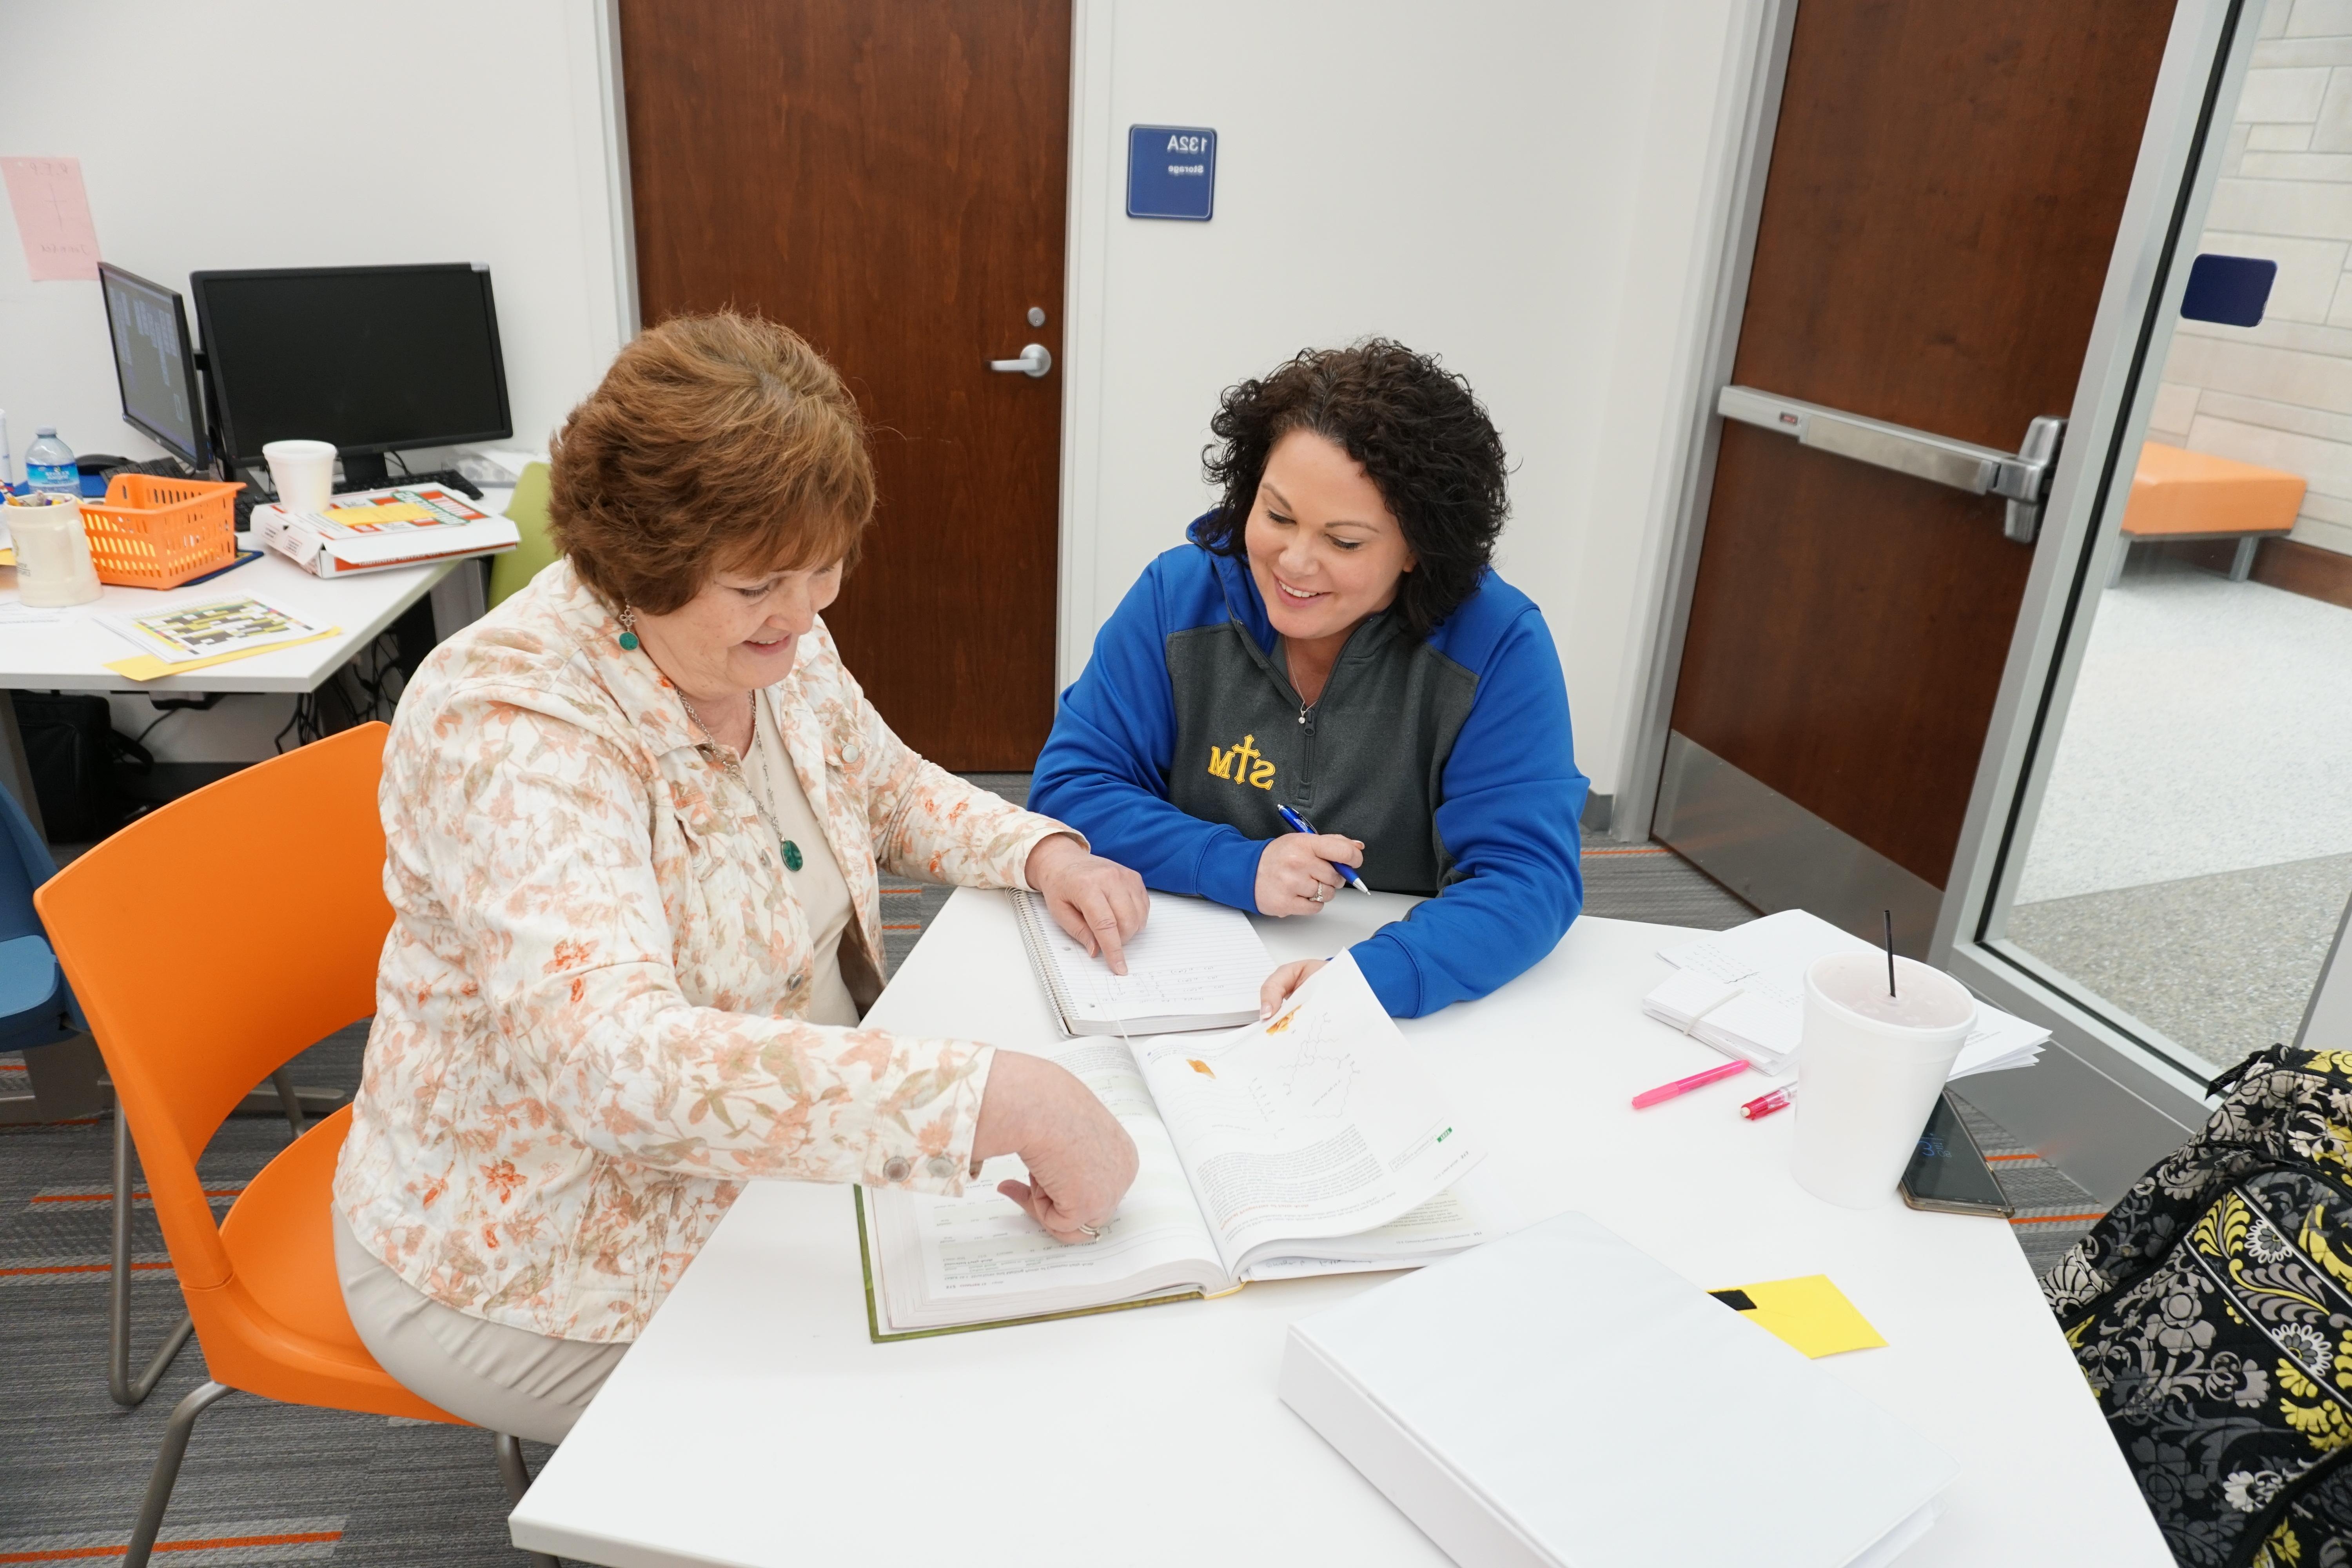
755	1423
71	653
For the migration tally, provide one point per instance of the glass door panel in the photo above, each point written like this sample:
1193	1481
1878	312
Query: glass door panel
2189	856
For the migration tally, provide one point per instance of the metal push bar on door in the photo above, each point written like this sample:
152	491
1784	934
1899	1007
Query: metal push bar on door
2022	477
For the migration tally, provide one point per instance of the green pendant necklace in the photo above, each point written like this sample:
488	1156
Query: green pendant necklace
793	859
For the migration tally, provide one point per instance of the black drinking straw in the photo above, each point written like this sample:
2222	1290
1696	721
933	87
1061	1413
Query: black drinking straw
1890	953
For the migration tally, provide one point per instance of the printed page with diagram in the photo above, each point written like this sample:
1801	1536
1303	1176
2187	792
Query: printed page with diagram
1317	1123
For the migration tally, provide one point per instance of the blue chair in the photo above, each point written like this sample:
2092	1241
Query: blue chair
37	1012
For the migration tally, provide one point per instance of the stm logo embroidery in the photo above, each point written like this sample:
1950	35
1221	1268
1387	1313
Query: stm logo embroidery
1242	764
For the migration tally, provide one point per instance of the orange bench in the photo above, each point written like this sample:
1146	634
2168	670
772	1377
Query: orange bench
2178	494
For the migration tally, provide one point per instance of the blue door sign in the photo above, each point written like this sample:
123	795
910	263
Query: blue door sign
2231	289
1171	172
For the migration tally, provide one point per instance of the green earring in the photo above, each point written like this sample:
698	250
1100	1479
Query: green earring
628	638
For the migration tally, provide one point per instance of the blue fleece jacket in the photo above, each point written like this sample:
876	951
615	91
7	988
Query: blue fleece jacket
1451	758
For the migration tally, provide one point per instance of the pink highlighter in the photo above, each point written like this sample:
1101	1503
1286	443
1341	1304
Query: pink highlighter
1650	1097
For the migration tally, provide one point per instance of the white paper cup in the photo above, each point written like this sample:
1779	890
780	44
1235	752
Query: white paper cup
1868	1070
303	473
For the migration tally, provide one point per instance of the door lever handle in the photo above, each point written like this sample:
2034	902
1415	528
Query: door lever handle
2021	478
1035	359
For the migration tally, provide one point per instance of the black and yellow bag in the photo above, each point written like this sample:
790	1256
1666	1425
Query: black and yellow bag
2211	1311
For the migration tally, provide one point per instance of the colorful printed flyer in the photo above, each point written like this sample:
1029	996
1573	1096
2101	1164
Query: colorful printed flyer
240	625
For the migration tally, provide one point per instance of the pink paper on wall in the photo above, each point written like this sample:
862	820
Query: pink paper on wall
52	217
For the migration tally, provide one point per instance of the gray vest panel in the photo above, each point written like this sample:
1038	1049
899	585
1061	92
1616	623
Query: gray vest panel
1366	760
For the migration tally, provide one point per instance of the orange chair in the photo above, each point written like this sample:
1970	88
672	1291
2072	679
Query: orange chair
288	855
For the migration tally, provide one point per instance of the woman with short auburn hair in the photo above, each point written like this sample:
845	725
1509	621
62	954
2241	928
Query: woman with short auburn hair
1332	638
634	822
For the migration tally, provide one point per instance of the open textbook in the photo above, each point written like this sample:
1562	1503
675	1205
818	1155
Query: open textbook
1195	966
1742	991
1310	1143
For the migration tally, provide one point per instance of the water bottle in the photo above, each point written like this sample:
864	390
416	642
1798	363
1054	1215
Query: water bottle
49	464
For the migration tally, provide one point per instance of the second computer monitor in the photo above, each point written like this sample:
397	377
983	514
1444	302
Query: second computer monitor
155	364
373	358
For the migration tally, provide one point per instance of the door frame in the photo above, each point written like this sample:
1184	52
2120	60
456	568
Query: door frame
2097	1105
1756	68
611	110
1097	186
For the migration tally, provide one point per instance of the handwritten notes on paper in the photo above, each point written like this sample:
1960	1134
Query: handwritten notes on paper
52	217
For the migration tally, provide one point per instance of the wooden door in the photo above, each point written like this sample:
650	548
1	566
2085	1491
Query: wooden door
888	179
1944	195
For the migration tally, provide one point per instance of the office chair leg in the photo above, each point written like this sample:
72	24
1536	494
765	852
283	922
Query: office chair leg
288	1098
125	1389
167	1471
517	1482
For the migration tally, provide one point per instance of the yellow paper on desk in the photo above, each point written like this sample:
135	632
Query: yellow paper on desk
147	667
1810	1314
383	512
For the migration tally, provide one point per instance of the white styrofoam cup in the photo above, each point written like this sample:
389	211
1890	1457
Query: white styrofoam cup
1869	1067
303	472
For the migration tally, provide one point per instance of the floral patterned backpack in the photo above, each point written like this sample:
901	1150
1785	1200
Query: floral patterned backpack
2211	1311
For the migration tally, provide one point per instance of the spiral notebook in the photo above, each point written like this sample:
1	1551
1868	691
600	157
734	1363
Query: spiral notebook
1195	966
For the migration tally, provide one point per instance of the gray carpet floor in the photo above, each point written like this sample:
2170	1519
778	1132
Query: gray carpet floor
2222	964
269	1483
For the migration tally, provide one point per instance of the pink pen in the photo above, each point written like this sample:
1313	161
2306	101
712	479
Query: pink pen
1779	1099
1650	1097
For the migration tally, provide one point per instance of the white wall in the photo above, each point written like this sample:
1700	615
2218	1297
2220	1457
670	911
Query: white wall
282	132
1515	187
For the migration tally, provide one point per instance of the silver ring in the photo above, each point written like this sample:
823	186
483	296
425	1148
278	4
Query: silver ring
1093	1232
1318	894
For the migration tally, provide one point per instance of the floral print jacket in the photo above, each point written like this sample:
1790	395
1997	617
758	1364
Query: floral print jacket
585	1035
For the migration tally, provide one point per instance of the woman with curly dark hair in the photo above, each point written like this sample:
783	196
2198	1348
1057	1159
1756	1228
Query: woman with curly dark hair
1333	638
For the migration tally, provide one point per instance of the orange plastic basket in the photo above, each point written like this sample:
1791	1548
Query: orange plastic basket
154	532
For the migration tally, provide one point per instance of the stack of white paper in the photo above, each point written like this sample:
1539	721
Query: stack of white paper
1195	965
1560	1399
1742	991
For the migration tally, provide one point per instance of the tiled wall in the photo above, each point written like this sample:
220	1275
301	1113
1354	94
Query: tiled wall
2281	394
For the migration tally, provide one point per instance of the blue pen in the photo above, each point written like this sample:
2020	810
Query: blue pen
1300	824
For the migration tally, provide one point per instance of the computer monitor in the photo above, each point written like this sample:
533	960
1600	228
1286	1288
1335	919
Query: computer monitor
373	358
155	364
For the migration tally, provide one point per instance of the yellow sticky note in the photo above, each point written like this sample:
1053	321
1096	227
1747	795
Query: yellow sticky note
1810	1313
147	667
387	512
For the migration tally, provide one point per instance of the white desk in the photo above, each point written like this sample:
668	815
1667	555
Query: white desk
756	1424
71	653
